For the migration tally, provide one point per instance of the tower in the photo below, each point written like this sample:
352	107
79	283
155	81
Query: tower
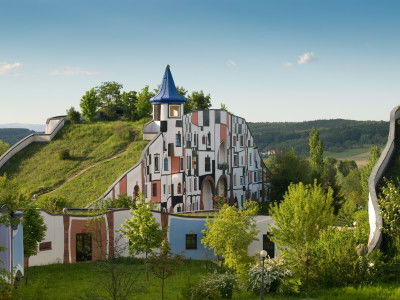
167	103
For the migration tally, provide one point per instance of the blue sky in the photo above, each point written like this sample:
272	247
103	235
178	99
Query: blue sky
266	60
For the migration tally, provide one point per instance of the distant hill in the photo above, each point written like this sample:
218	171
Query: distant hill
34	127
338	135
13	135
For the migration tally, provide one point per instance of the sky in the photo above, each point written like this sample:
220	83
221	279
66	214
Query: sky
266	60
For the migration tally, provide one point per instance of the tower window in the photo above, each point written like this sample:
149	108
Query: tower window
157	112
174	111
179	191
178	139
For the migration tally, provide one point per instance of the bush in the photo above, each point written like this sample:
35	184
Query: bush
73	115
64	154
212	286
52	205
275	272
122	201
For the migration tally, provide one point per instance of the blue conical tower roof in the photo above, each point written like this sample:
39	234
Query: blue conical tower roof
167	92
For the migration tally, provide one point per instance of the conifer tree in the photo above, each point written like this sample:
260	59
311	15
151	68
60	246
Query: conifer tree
316	152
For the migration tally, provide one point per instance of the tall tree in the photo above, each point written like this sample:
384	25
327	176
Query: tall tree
10	200
143	105
316	152
3	147
128	103
142	230
34	230
89	104
109	94
286	168
230	233
299	219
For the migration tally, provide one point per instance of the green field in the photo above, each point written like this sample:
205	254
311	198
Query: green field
359	155
100	153
73	281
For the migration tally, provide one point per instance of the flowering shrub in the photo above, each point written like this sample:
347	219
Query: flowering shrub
211	287
274	273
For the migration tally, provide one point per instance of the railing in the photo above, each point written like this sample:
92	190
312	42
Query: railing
26	141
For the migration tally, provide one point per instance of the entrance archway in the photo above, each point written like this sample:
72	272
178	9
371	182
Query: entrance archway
207	193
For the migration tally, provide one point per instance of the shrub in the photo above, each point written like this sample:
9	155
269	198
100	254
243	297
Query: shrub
212	286
3	147
73	115
64	154
275	272
122	201
51	204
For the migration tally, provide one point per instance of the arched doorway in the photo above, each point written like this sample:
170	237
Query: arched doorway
222	186
207	193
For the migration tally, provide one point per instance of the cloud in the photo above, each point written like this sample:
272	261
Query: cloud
231	63
305	58
302	60
6	68
71	71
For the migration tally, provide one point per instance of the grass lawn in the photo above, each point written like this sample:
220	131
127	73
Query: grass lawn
71	281
100	153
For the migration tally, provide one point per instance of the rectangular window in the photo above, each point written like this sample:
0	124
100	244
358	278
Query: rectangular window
241	141
191	241
251	159
195	139
154	189
234	141
164	189
236	159
206	118
181	163
195	184
174	111
178	139
234	180
268	245
156	163
194	162
166	164
43	246
207	164
188	162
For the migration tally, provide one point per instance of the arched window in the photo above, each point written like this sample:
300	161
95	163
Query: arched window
166	164
203	140
179	188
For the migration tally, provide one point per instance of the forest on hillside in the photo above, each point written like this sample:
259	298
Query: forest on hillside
13	135
337	134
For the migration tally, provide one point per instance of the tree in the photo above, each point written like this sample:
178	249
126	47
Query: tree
110	106
163	265
3	147
316	152
11	199
143	105
286	168
351	192
89	104
299	219
73	115
346	166
52	204
142	230
197	101
34	231
128	103
230	233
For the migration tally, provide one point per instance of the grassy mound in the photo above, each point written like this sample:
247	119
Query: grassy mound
80	163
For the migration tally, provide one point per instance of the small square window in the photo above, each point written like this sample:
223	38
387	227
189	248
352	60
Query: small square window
174	111
191	241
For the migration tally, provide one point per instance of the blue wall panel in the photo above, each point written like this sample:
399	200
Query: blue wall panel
179	228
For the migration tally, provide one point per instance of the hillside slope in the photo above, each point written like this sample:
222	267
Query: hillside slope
99	154
338	135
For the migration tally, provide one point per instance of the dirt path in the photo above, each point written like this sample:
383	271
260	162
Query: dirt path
85	170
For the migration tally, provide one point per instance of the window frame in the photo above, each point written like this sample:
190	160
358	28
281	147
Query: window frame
171	106
192	239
